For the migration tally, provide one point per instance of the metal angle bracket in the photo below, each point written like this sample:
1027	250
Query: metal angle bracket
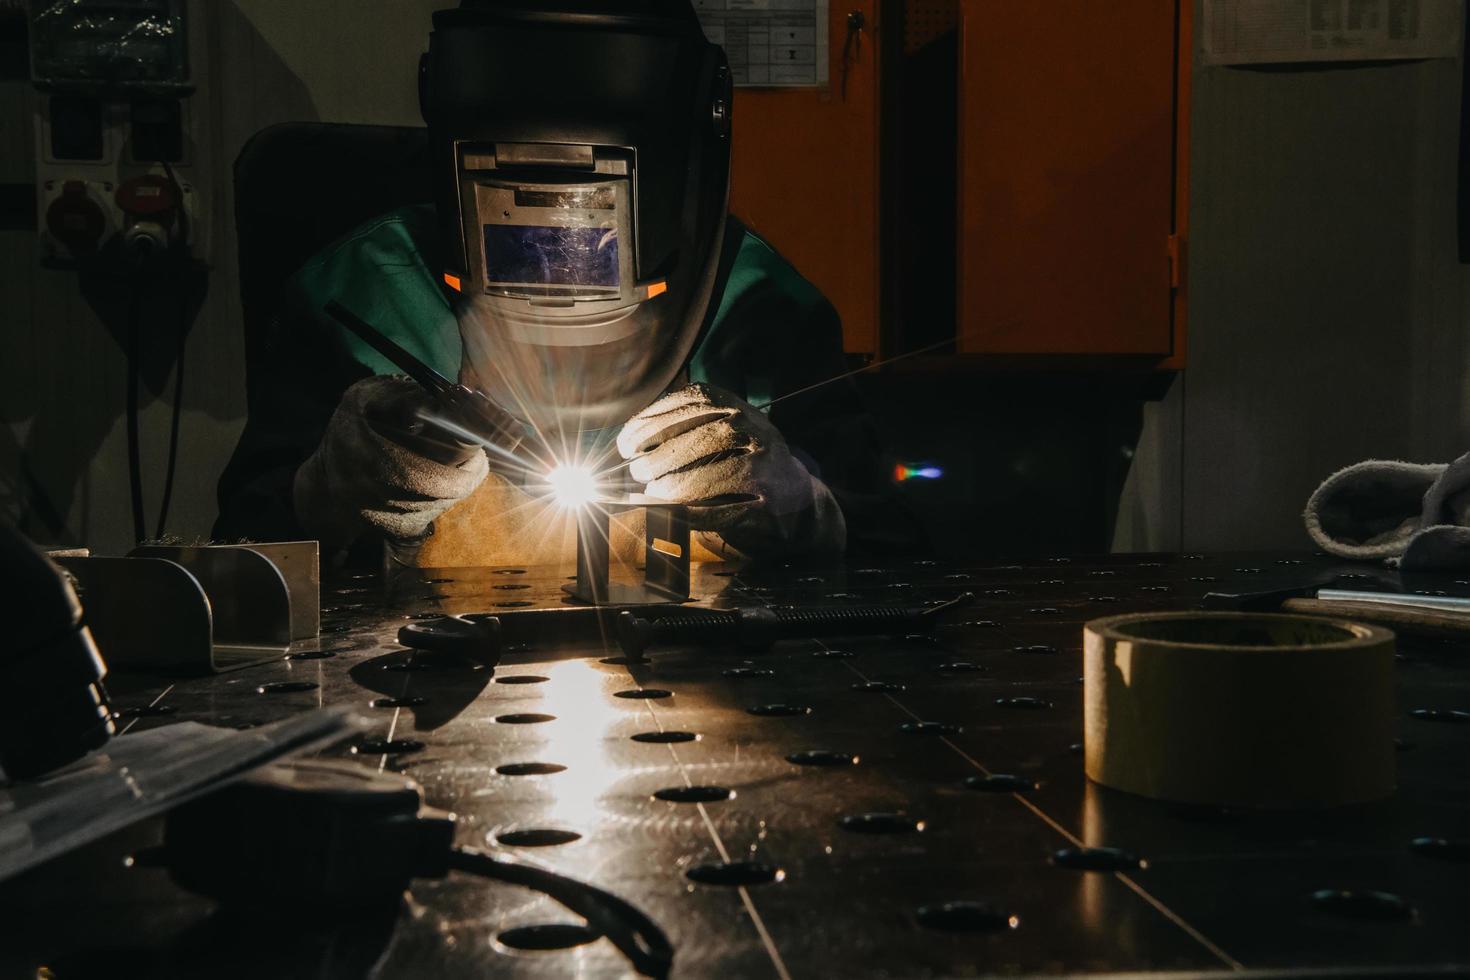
665	553
244	584
198	609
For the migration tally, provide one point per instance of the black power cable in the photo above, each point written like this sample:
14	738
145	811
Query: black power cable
334	837
635	935
135	461
176	418
181	325
177	254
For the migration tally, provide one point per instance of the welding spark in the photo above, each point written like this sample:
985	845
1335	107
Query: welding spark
572	486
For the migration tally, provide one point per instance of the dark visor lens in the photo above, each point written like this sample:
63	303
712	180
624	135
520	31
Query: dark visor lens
551	256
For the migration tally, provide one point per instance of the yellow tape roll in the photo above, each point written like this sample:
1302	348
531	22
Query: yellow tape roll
1239	708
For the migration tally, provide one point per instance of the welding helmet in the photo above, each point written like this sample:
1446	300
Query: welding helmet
582	158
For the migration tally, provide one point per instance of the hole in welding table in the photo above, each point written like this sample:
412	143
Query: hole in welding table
735	873
779	710
530	769
694	794
550	936
524	718
664	738
144	711
822	757
1370	905
644	694
1441	848
404	702
1441	714
286	687
881	823
961	667
1023	704
387	746
965	917
1097	859
522	679
409	666
311	655
1000	782
929	728
538	837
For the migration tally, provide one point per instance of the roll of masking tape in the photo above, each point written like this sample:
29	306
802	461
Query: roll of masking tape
1239	708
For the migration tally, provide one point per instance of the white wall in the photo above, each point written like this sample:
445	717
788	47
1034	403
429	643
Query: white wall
62	435
1328	314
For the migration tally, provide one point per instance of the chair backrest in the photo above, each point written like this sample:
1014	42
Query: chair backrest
301	186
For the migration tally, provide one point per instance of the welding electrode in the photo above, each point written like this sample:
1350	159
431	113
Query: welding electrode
56	708
463	407
758	627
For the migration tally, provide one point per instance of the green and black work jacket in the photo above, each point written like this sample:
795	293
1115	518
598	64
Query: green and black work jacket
769	333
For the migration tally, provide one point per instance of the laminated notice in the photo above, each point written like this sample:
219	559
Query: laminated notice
1238	32
781	43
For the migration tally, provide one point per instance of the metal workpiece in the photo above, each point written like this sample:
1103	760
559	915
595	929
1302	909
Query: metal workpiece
909	805
666	553
759	627
196	609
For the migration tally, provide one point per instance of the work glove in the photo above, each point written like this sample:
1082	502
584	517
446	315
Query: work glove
380	467
704	447
1414	515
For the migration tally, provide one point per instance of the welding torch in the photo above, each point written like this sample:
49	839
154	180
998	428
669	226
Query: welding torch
465	411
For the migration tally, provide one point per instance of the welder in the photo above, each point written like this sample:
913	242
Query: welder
579	267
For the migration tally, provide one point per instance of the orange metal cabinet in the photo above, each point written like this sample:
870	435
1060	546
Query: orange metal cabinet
806	174
1071	178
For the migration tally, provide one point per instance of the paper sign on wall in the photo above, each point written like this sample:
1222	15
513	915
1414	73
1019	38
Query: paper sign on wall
1237	32
769	42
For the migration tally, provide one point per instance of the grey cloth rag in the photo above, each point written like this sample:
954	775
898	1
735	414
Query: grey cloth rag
1414	515
379	469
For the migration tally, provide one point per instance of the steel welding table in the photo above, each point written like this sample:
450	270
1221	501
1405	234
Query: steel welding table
537	758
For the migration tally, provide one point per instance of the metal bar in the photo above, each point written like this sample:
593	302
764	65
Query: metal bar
378	341
1442	603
